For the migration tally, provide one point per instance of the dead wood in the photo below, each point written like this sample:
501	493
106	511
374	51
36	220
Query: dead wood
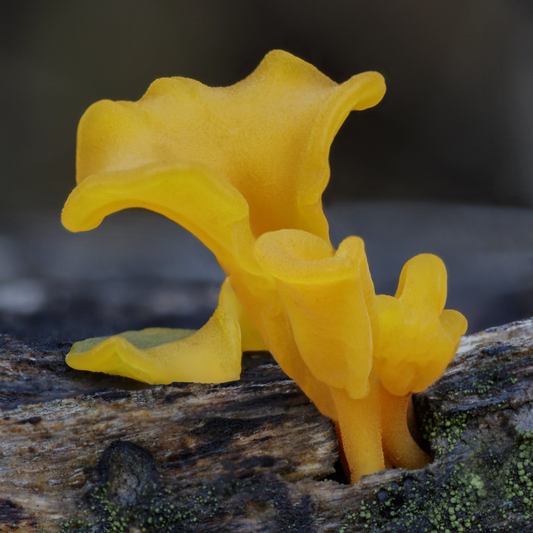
82	452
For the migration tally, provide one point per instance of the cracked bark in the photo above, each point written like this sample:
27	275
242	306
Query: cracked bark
84	452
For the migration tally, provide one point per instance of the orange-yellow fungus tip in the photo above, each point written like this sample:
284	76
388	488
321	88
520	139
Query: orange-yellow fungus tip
243	168
417	337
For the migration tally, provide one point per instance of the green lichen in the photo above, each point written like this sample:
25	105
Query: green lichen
487	492
444	433
159	510
164	510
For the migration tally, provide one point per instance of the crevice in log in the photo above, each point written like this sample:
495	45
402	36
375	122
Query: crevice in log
339	475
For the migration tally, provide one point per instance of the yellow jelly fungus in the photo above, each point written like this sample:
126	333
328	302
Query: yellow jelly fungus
243	168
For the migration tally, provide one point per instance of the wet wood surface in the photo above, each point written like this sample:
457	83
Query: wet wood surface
83	452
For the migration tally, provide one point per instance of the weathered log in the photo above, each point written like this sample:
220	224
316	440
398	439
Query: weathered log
82	452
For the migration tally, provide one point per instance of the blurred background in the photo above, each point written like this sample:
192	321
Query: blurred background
444	164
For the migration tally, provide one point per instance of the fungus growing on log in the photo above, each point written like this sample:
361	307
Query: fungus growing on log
243	168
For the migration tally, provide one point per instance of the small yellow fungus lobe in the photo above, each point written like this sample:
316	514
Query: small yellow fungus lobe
244	168
162	356
417	337
323	295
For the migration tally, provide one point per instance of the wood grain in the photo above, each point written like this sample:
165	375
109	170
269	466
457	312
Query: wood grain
84	452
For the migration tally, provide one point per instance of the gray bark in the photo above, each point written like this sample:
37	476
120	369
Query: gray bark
82	452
